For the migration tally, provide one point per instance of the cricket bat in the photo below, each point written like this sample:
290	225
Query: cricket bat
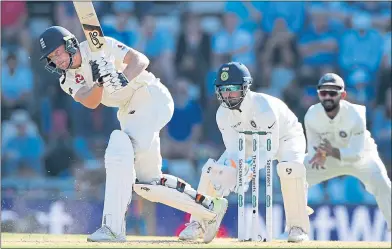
90	25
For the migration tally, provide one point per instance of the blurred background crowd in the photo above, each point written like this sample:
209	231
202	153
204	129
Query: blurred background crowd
53	146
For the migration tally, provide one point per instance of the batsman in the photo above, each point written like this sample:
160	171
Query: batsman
244	110
118	78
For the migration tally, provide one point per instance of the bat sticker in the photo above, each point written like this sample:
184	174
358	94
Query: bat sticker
94	32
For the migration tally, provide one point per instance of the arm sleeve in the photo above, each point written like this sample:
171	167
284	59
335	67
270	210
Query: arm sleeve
229	137
354	150
71	85
289	126
312	138
116	48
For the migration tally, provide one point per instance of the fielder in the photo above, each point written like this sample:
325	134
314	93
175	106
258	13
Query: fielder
339	143
242	109
119	79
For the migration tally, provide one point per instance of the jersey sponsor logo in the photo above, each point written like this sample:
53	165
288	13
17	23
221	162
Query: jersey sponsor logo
235	126
269	127
342	134
121	46
253	124
79	78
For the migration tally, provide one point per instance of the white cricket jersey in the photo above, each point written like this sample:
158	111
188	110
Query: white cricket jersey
347	131
259	112
116	51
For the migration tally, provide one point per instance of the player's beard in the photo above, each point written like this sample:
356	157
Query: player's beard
330	105
230	102
233	102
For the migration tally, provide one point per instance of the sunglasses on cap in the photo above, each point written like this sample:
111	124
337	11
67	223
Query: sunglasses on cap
332	93
230	88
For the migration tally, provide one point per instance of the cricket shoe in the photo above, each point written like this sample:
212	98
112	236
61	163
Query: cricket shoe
285	235
212	226
296	234
105	234
193	231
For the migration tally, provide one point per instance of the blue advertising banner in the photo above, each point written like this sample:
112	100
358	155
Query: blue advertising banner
53	216
329	222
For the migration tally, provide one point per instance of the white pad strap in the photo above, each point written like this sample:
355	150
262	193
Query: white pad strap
174	198
294	190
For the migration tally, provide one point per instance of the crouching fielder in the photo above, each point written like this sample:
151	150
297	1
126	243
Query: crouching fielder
244	110
117	78
339	143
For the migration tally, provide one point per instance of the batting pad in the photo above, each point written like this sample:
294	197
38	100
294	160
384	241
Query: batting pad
173	198
206	187
120	176
294	191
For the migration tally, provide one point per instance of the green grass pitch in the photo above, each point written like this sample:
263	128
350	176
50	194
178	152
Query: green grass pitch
13	240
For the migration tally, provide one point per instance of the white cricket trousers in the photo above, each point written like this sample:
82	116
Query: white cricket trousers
142	118
371	172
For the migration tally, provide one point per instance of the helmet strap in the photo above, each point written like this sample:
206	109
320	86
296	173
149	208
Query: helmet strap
71	46
71	56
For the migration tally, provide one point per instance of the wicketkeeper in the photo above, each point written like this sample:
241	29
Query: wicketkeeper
242	109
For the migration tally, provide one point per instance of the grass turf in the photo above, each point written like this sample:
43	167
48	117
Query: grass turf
13	240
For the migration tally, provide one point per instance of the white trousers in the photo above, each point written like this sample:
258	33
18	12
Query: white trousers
371	172
292	150
149	110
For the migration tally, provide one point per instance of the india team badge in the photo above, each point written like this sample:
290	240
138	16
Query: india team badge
224	76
